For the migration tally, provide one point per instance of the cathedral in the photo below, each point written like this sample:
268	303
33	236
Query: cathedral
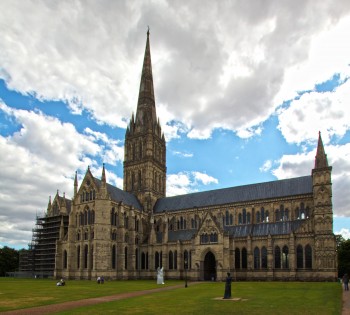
278	230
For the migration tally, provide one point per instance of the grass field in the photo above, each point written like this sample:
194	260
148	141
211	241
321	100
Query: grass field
202	298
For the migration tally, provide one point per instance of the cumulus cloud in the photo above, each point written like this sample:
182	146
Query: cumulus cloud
187	182
89	54
36	160
338	157
314	111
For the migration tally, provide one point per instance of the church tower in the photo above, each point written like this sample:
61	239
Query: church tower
325	245
322	190
144	149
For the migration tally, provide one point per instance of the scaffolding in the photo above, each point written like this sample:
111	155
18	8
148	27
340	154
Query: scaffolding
40	259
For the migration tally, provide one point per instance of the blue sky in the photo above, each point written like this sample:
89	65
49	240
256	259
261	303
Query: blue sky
236	107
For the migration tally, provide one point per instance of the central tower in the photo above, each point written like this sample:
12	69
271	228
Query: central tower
144	148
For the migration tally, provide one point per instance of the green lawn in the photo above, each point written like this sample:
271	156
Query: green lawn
202	298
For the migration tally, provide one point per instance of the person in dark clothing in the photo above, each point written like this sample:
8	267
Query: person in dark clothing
346	282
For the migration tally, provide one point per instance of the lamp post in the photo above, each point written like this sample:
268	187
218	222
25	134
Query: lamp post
185	273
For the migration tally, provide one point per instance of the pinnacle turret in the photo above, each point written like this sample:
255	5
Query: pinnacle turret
103	178
321	157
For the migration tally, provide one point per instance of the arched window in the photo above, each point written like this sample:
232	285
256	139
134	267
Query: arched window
308	256
286	215
244	216
65	259
256	258
112	216
171	260
248	217
86	255
89	216
277	257
285	260
263	257
213	238
262	216
126	221
244	258
125	258
156	260
300	257
114	257
143	261
227	218
137	267
237	259
140	180
175	259
78	257
257	217
240	218
277	215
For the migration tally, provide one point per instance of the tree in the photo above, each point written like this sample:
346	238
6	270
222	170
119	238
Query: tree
9	260
343	248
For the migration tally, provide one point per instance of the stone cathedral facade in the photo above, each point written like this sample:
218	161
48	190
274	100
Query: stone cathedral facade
279	230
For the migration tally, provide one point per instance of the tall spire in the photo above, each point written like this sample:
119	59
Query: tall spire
146	109
321	157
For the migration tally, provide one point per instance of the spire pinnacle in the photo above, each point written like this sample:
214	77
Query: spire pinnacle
103	178
321	157
146	109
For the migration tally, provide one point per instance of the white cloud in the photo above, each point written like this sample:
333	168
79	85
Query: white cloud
206	76
326	112
187	182
183	154
338	157
345	233
204	178
266	166
36	160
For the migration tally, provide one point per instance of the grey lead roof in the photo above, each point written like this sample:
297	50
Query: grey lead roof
267	190
121	195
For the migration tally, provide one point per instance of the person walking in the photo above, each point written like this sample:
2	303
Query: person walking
346	282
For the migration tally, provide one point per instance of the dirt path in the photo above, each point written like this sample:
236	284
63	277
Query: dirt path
346	303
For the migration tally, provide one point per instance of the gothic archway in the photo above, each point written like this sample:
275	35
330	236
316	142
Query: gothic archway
209	267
